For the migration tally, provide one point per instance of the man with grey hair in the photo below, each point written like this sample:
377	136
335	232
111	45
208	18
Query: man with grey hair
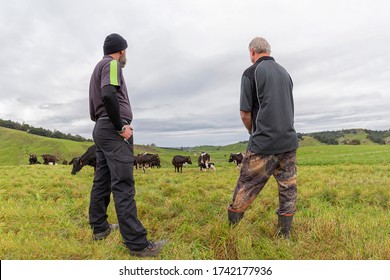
267	112
260	45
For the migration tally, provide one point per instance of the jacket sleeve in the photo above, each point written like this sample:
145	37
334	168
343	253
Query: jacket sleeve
111	104
246	96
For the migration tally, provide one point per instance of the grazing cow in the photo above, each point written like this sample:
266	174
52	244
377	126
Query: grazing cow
65	162
49	159
147	160
33	159
178	162
88	158
203	161
155	163
237	158
207	166
211	166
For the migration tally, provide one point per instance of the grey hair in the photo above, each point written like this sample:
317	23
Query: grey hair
260	45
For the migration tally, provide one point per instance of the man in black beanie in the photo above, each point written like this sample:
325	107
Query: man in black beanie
113	135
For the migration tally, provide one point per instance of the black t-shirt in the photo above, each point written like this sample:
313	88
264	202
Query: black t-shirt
108	72
266	92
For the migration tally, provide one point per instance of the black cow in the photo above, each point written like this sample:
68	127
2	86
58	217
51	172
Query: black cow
203	161
178	162
237	158
49	159
88	158
155	163
135	162
33	159
148	160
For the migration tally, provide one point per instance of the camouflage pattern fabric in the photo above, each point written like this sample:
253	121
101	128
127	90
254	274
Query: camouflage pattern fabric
256	170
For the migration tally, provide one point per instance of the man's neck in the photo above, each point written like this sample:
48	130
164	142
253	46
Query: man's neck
257	56
115	56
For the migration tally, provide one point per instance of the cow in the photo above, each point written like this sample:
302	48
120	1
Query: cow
137	159
33	159
148	160
203	161
207	166
211	166
178	162
155	163
135	162
88	158
237	158
49	159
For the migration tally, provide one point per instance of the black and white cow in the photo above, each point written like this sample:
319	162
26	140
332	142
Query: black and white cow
49	159
88	158
211	166
179	161
203	161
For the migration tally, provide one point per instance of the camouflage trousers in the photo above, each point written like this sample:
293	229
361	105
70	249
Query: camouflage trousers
255	171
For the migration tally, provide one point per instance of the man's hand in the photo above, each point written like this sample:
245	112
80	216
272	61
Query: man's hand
127	133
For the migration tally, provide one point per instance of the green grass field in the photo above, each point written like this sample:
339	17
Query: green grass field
343	209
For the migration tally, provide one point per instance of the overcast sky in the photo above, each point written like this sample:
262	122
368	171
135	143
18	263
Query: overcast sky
185	61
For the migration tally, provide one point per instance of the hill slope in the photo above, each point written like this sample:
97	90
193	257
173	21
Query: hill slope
15	147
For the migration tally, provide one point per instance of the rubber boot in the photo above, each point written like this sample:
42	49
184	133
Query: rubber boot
284	226
234	216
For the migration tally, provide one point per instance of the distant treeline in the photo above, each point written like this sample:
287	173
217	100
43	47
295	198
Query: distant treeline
41	131
331	137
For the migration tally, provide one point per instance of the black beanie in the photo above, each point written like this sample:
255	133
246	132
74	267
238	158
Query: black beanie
114	43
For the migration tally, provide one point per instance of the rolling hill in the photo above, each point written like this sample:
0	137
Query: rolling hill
16	145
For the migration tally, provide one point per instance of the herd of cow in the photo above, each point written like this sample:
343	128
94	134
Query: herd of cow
142	160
